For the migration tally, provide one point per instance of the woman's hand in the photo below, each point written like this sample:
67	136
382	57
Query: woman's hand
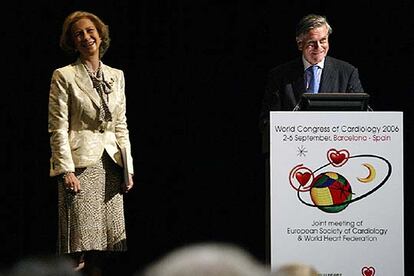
71	182
126	187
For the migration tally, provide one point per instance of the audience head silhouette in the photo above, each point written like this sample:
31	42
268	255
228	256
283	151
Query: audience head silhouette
296	269
206	260
44	266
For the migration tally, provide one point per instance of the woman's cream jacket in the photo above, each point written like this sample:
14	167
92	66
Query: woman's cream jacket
78	139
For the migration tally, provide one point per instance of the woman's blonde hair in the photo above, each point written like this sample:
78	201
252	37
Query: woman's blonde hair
66	39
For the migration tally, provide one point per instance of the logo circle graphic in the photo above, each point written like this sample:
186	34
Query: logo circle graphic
331	192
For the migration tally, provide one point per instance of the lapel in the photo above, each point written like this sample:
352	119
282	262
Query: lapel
85	83
298	80
110	77
327	77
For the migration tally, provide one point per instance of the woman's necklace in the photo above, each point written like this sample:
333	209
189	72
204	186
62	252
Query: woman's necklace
94	73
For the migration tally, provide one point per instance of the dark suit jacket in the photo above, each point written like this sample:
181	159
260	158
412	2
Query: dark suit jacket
286	84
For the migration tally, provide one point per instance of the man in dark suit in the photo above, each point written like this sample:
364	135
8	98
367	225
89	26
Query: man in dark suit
287	82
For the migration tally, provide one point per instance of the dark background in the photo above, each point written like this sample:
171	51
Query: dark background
195	73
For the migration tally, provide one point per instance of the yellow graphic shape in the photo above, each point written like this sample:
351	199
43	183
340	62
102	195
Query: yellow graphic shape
321	196
371	174
332	175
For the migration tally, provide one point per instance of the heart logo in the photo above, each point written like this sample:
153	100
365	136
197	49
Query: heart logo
368	271
338	157
303	178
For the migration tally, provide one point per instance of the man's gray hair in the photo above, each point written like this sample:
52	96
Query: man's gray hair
310	22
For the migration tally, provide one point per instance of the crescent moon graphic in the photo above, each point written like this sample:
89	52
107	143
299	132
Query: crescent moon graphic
371	175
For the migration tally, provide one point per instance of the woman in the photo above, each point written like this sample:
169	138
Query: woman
88	128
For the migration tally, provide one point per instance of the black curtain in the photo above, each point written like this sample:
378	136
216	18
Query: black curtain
195	73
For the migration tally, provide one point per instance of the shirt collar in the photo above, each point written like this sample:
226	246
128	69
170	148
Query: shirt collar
306	64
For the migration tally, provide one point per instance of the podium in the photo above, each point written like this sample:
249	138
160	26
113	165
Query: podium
336	191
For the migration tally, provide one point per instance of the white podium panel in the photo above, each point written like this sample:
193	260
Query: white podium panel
337	191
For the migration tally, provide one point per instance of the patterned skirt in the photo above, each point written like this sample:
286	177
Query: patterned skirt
93	219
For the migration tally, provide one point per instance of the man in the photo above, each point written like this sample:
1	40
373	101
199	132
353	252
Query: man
287	82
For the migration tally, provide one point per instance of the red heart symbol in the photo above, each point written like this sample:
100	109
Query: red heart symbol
337	158
368	271
303	178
